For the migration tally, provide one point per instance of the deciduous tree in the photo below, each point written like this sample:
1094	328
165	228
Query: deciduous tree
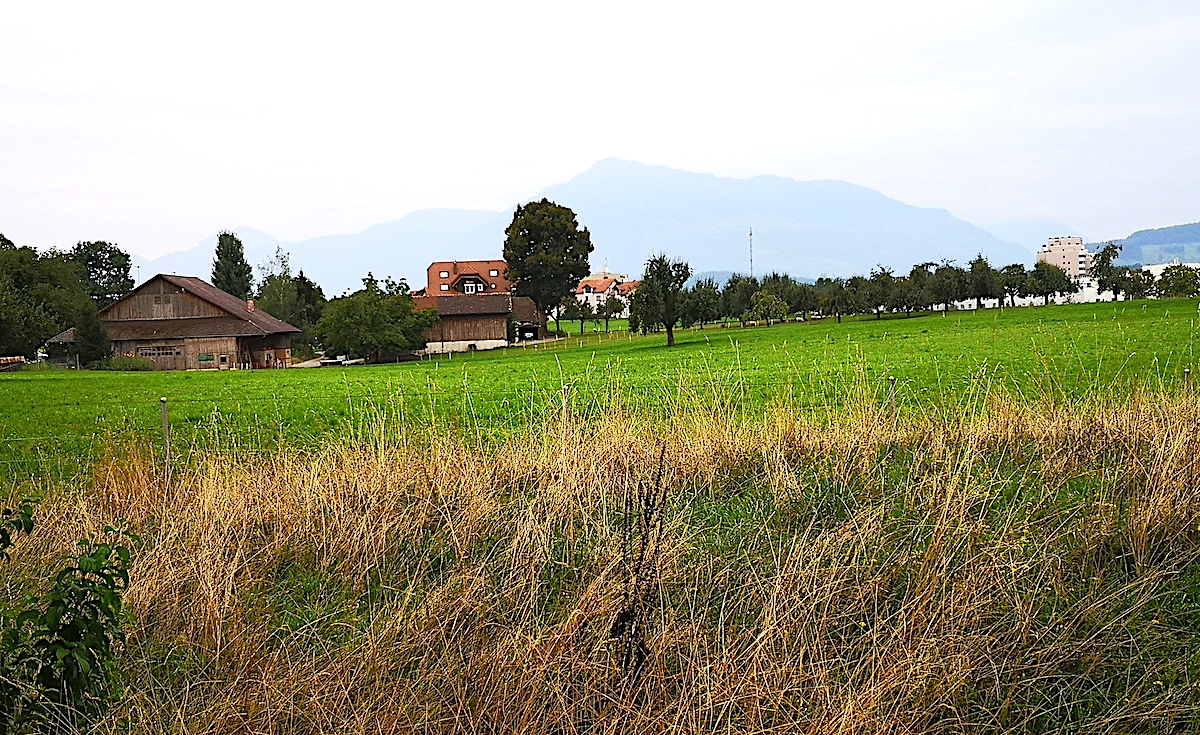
1178	281
657	301
546	252
106	271
374	322
983	281
704	302
1013	279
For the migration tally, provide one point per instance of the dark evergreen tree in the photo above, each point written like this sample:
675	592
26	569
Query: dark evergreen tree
230	271
91	340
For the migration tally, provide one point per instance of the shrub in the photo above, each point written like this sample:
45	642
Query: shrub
127	362
57	667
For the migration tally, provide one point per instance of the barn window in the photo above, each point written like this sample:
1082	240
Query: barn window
160	351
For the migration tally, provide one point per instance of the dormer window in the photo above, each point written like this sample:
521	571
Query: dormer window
469	287
493	272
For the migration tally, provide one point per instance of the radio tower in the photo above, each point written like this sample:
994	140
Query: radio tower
752	252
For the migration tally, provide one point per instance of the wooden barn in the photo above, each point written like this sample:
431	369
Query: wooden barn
479	322
184	323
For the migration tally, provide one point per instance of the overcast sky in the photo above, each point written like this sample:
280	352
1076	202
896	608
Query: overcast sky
153	125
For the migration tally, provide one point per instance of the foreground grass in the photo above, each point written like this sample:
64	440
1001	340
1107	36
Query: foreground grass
52	425
1019	566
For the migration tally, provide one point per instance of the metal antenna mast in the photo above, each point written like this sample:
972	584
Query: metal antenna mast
752	252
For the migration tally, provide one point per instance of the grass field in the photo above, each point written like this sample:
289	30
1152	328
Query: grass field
52	424
427	547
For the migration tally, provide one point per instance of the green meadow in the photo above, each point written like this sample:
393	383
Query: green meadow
52	423
428	546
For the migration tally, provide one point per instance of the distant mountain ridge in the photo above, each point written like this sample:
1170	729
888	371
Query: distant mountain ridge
1159	245
807	229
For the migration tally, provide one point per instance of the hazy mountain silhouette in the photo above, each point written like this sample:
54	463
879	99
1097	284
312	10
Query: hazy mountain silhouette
804	228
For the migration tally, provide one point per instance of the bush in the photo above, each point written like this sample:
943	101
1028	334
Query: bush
57	669
127	362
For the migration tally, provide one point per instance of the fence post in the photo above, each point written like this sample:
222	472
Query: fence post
166	434
892	394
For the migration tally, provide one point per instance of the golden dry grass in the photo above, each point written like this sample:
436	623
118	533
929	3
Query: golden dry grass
1015	569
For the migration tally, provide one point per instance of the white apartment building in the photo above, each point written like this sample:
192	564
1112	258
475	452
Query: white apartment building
1067	253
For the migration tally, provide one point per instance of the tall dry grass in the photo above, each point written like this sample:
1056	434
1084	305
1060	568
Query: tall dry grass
1013	569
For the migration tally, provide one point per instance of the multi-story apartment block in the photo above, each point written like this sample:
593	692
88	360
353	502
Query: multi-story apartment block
1067	253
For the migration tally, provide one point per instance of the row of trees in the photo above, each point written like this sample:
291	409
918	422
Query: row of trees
662	302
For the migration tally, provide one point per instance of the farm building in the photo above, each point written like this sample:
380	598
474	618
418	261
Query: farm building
466	277
479	322
184	323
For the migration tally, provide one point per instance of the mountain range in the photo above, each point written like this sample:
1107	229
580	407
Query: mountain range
804	228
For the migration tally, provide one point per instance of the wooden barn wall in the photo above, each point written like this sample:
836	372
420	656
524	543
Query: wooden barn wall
215	346
189	349
467	328
145	305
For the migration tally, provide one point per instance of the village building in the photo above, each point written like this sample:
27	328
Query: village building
596	289
184	323
467	277
469	322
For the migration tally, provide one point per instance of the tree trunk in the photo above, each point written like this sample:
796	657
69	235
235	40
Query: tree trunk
670	335
839	317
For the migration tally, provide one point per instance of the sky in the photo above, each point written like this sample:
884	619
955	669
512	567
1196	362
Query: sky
154	125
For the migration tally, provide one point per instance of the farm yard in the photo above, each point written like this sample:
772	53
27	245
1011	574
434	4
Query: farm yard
734	535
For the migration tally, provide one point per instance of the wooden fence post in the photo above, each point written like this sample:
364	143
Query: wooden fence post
166	434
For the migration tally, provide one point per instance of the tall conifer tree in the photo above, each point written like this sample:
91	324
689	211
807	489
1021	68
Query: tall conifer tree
231	273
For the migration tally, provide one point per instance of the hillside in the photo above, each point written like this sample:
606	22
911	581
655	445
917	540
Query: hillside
1160	245
805	228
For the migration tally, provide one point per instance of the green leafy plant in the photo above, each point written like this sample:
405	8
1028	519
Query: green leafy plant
57	650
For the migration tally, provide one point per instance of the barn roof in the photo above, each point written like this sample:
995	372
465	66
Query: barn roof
468	305
522	307
241	322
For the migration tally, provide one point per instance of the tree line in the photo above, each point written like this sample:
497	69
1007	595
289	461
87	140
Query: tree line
663	300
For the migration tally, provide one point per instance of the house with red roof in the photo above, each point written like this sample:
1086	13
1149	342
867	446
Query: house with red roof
466	278
597	288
